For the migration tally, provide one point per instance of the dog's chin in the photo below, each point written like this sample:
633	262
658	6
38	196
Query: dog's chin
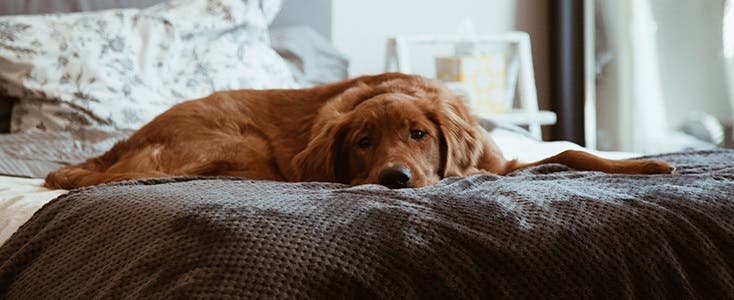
374	181
360	181
415	183
424	181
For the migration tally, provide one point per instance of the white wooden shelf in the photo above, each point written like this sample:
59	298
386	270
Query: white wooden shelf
532	119
398	57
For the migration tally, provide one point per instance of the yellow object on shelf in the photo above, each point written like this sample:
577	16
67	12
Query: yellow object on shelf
482	79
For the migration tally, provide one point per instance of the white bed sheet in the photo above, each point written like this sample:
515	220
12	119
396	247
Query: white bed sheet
20	198
527	149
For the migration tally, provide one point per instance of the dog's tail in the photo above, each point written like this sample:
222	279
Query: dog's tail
91	172
584	161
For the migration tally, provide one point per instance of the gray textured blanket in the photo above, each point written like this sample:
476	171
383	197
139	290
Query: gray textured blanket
34	154
544	232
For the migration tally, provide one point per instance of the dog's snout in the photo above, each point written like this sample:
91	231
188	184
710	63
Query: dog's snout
395	177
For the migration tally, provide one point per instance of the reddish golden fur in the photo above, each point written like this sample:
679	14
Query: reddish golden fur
315	134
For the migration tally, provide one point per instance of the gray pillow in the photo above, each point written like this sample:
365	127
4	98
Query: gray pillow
311	57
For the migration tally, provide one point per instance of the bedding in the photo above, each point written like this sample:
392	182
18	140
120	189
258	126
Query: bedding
311	58
26	7
20	198
117	69
545	232
33	155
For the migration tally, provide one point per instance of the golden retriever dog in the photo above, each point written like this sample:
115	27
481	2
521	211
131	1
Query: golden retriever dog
397	130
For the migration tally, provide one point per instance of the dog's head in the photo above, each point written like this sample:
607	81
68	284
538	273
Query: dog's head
406	132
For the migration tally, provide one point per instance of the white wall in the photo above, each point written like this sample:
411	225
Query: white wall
313	13
360	28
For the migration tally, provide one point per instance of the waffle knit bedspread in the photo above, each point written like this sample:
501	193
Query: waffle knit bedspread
545	232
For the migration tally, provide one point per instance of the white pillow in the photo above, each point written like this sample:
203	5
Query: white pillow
118	69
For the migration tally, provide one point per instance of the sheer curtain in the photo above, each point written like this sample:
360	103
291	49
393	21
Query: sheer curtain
631	110
728	39
660	77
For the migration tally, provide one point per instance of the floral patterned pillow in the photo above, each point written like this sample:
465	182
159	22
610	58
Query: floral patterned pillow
118	69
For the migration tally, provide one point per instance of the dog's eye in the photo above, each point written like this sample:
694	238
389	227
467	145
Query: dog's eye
417	134
364	142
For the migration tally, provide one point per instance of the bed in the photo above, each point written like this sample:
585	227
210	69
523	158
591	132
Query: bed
548	231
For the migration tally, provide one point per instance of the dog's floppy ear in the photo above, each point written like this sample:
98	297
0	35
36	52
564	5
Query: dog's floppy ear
461	144
321	159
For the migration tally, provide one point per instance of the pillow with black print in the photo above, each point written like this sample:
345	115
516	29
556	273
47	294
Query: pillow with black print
118	69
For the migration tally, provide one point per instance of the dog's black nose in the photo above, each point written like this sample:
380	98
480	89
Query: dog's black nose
395	177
